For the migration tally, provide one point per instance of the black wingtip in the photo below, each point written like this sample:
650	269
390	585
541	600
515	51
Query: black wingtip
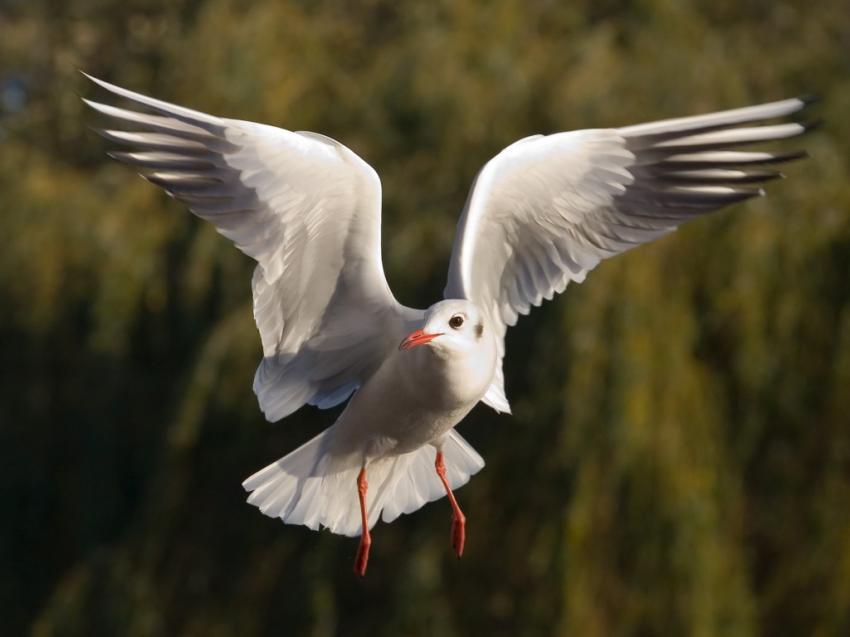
748	193
792	156
809	99
761	177
813	125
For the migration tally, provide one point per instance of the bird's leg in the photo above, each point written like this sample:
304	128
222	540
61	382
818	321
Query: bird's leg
458	518
365	539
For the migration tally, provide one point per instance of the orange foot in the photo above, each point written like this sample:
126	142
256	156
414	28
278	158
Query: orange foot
458	533
458	518
362	559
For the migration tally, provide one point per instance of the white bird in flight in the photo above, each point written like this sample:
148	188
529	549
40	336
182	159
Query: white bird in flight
542	213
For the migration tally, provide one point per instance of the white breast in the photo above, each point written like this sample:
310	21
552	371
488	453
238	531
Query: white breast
414	399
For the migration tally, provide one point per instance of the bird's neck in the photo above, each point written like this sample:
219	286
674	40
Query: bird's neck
452	380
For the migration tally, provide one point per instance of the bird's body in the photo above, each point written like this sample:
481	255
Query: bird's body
413	399
404	413
542	213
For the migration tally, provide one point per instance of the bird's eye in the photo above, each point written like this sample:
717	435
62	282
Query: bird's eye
456	321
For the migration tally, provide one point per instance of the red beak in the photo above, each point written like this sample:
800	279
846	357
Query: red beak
417	338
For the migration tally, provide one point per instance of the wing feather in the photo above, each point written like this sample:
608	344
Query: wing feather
307	209
547	209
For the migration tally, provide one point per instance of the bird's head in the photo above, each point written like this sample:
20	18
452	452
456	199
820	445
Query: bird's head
451	326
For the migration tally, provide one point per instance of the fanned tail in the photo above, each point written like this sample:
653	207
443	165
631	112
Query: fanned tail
312	487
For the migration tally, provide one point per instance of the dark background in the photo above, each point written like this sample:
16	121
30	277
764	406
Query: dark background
678	462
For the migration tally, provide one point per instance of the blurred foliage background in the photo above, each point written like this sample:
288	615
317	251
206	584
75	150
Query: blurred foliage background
679	458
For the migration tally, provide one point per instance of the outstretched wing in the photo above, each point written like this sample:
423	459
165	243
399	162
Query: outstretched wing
547	209
308	210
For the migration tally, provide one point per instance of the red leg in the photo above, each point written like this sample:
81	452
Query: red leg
458	518
365	539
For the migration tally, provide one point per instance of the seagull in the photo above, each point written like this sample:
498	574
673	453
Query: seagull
541	214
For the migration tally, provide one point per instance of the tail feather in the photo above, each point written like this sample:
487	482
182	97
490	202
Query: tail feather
419	484
312	487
